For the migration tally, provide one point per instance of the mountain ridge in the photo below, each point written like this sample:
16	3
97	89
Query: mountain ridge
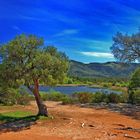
105	70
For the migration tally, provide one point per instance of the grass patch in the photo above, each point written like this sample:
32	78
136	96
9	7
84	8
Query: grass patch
16	115
21	115
43	118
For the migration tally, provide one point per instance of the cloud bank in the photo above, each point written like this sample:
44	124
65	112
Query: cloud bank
98	54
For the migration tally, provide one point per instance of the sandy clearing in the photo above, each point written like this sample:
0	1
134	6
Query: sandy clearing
71	122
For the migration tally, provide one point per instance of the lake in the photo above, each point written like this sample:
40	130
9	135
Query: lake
73	89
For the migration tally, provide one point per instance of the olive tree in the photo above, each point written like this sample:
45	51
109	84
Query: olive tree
135	80
26	61
134	87
126	48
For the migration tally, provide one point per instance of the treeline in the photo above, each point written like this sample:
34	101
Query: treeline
87	97
100	81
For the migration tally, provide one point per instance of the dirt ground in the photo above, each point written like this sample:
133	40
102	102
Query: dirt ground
71	122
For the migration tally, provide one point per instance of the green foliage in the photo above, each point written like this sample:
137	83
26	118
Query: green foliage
106	85
70	81
52	95
83	97
109	71
68	100
135	80
133	88
99	97
26	61
57	96
114	98
124	97
16	115
44	95
11	96
136	97
25	58
110	98
126	47
8	96
21	115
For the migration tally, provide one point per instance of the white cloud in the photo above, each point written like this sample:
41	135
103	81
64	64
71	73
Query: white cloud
32	18
16	28
67	32
98	54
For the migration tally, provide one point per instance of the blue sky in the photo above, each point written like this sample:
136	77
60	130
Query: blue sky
83	29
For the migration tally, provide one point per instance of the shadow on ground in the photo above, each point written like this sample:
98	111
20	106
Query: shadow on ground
16	123
130	110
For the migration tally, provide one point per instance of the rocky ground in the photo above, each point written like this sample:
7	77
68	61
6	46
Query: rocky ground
71	122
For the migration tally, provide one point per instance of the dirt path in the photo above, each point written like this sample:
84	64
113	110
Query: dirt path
75	123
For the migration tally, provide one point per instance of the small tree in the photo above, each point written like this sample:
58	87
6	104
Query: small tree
26	61
134	87
126	48
135	80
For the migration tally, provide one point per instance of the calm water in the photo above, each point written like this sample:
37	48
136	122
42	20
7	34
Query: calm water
73	89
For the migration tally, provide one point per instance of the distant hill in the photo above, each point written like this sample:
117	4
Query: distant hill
109	69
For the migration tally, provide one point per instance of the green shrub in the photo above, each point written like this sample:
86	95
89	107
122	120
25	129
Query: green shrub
136	97
83	97
99	97
52	96
11	96
135	80
68	100
55	96
114	98
70	81
124	97
105	85
8	96
44	96
24	99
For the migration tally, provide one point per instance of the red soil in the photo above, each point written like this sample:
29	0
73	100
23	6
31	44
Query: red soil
71	122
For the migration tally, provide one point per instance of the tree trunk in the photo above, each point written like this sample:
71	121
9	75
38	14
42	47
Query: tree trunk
41	107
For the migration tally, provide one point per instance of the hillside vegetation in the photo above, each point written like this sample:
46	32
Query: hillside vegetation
109	69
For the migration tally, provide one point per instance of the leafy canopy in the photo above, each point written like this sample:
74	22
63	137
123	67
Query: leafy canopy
126	48
25	58
135	80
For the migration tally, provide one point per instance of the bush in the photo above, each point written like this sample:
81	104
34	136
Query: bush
135	80
25	96
8	96
55	96
11	96
68	100
24	99
52	96
124	97
114	98
83	97
99	97
44	95
136	97
105	85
